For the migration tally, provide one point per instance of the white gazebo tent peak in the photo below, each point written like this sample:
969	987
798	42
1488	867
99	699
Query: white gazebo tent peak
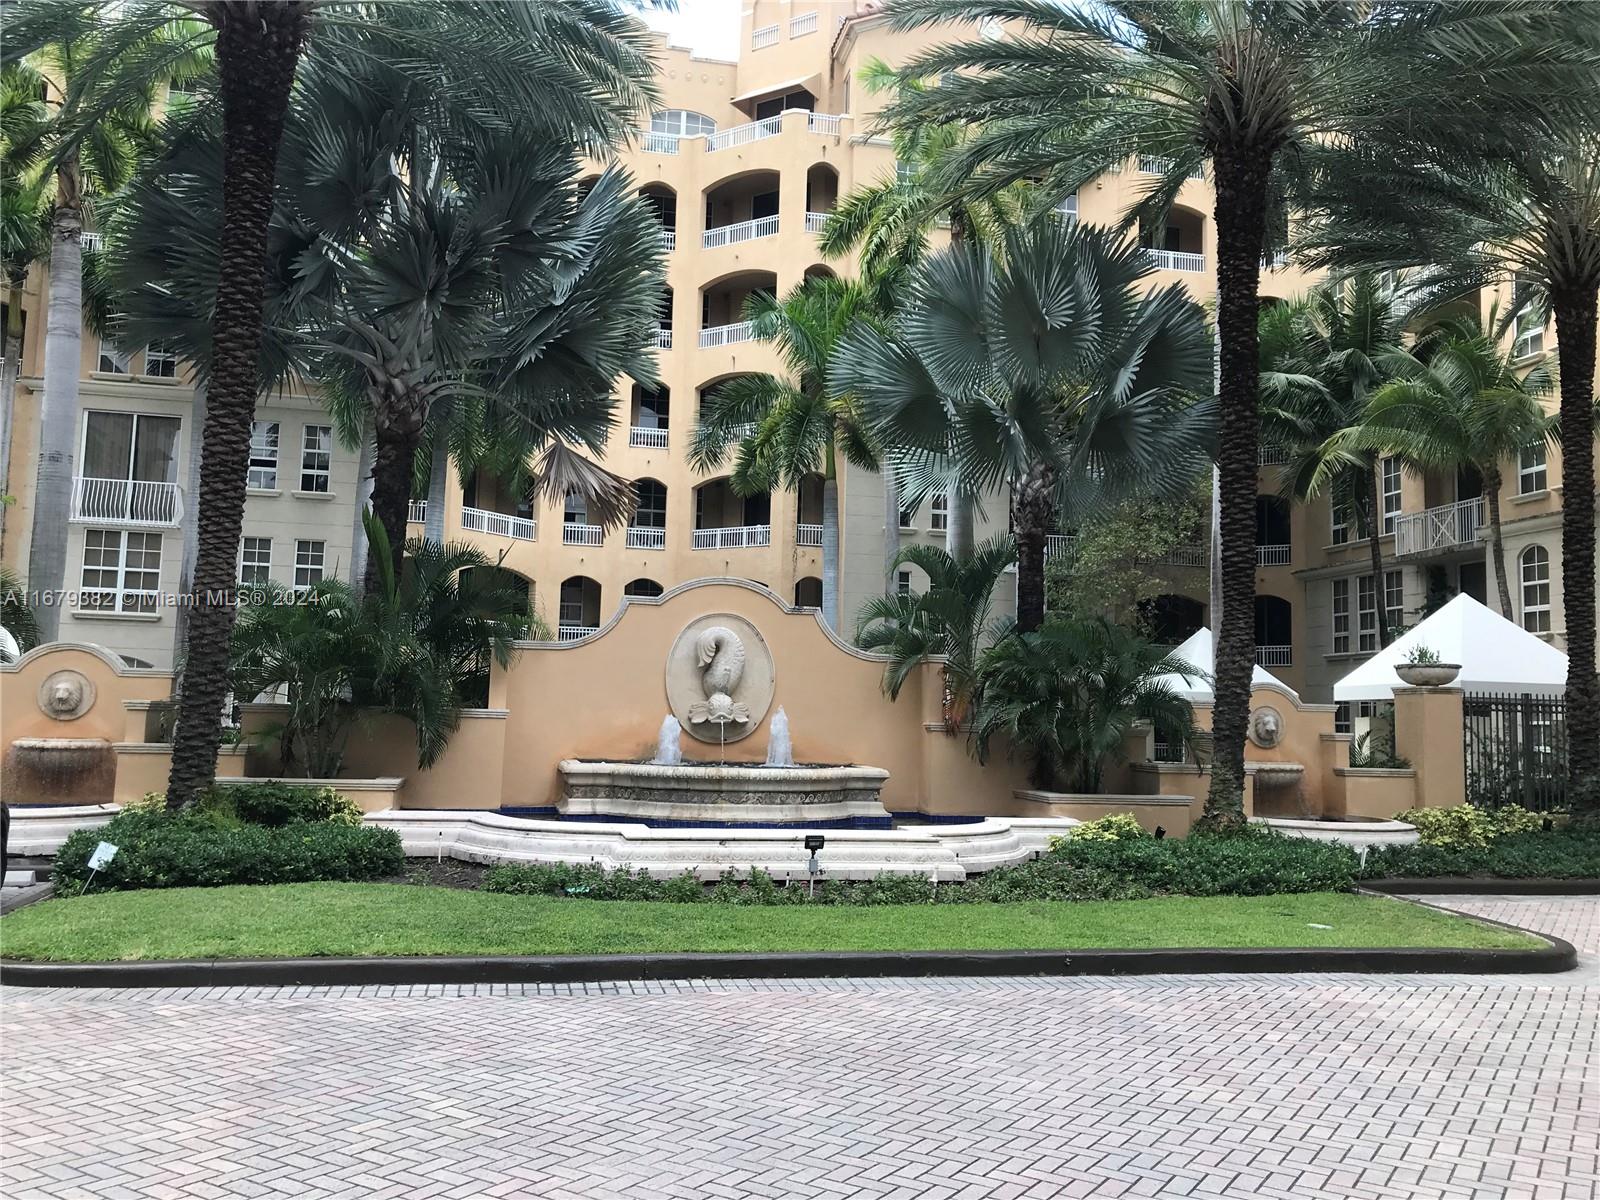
1200	651
1496	656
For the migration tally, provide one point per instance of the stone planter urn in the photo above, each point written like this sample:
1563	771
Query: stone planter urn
1428	674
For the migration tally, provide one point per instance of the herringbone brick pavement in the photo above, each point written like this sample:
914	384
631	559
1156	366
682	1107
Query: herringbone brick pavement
1315	1087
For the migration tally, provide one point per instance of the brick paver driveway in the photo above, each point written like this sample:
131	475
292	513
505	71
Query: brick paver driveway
1300	1087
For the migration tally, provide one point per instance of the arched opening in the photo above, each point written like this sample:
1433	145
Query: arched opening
493	578
741	209
642	587
648	529
1274	631
1178	244
819	271
1171	619
579	612
724	520
576	528
664	321
663	201
1534	567
647	417
490	505
822	194
808	592
722	304
808	518
1272	531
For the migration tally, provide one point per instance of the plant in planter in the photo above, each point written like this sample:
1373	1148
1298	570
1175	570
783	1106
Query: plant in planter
1424	668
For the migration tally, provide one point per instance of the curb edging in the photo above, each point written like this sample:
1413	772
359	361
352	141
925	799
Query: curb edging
1468	885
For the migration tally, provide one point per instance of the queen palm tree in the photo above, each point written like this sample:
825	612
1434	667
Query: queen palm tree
1039	368
789	428
1258	91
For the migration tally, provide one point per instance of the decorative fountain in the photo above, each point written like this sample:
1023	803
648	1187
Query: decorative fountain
61	770
720	686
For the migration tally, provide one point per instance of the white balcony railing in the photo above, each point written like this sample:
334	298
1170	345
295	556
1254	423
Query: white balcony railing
664	338
1177	260
828	123
766	36
739	231
1275	261
647	437
733	537
803	24
481	520
660	143
126	501
641	538
726	335
417	512
743	135
1272	556
1445	527
808	535
574	633
1058	543
1151	164
1268	455
815	222
576	533
669	238
92	241
1275	656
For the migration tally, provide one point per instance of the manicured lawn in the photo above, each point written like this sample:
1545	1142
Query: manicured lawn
391	919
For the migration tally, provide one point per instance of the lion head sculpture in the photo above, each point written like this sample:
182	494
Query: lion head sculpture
1266	727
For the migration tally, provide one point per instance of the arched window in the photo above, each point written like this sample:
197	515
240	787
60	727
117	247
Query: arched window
1535	563
1274	631
652	510
808	592
642	587
680	122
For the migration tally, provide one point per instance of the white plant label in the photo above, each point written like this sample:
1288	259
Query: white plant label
103	854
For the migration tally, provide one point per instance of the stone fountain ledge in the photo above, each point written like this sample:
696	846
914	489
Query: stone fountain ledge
712	792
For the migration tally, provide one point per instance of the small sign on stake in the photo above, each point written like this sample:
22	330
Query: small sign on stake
102	856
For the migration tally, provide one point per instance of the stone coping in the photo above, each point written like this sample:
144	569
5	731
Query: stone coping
777	777
1035	796
1376	772
381	784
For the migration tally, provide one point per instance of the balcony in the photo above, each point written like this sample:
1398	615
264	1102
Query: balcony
1272	556
1275	656
664	338
739	231
576	533
733	537
1150	164
481	520
808	535
647	437
828	123
766	36
1440	529
126	502
743	135
669	238
417	512
726	335
642	538
1272	456
1177	260
576	633
803	24
659	143
816	221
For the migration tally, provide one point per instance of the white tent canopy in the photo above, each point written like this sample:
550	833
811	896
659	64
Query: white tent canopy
1200	651
1496	655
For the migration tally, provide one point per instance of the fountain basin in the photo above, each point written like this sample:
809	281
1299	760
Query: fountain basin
73	771
1356	832
739	795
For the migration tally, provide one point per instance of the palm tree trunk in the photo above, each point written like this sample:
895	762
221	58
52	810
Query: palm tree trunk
1241	216
830	547
358	532
58	419
1375	556
191	516
1497	546
891	528
438	480
958	536
10	371
1033	512
258	48
399	431
1575	311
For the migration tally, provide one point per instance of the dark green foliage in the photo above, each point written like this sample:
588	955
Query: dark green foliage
1238	865
275	804
1569	853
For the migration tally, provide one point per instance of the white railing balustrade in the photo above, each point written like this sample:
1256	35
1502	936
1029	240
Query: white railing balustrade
1177	260
803	24
660	143
1275	656
1444	527
1058	543
808	535
92	241
1182	556
1268	455
1272	556
766	36
575	533
417	512
664	338
815	222
481	520
669	238
641	538
1151	164
126	501
743	135
828	123
733	537
726	335
575	633
647	437
739	231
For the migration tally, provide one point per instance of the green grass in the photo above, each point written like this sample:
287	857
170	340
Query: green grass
390	919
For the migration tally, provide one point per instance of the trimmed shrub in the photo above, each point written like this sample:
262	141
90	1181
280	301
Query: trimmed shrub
1253	864
1462	827
1114	827
1567	853
275	804
1511	819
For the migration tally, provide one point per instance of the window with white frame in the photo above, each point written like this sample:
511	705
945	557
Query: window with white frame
112	360
263	472
904	172
1339	527
1532	470
939	512
119	445
316	458
1530	334
1391	492
902	582
681	122
1341	615
1342	721
255	561
161	360
308	562
908	517
1535	565
1366	615
121	571
1394	597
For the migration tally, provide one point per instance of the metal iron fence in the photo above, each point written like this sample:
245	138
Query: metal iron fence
1516	748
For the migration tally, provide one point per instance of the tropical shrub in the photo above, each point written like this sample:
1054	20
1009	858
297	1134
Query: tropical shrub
1570	852
274	804
1113	827
1465	826
1200	865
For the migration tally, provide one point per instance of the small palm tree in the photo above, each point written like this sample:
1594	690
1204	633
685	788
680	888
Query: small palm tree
952	620
788	429
1469	404
1069	693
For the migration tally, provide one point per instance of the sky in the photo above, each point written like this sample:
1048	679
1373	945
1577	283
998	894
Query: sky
709	27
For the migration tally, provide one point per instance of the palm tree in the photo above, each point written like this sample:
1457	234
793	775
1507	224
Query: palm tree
1041	369
1468	404
1260	91
952	620
786	429
1069	693
1322	358
1528	221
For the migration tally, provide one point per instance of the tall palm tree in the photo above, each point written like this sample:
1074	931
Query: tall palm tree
1322	358
1527	221
788	429
1039	369
1468	404
953	620
1258	91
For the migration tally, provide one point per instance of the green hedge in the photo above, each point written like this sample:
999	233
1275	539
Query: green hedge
156	849
1563	853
